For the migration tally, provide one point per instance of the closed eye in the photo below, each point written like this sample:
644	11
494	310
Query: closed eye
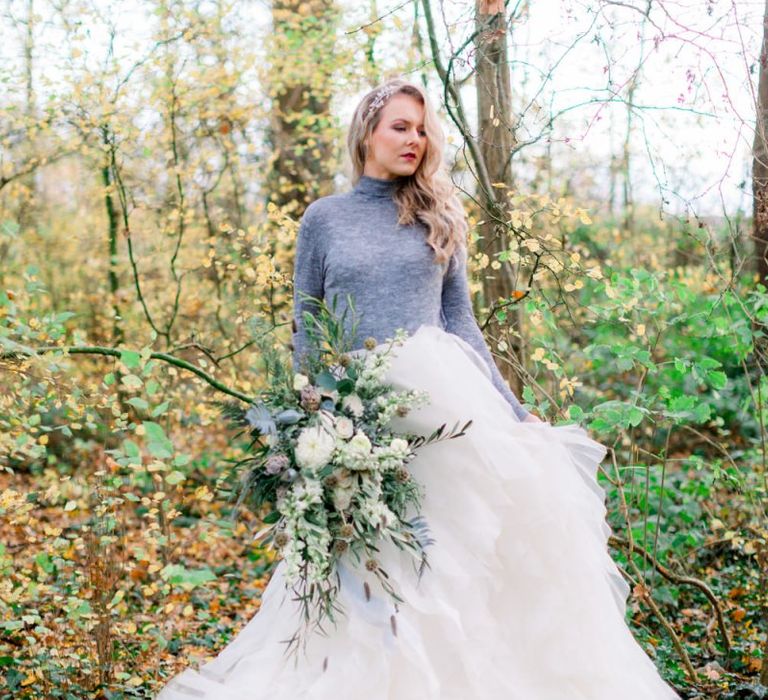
402	128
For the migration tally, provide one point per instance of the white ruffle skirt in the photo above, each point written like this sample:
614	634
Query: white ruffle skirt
521	600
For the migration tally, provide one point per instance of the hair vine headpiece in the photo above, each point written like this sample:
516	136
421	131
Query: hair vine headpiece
384	94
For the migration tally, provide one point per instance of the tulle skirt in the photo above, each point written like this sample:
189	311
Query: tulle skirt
521	600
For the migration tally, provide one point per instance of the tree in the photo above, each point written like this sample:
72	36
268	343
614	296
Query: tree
301	129
496	141
760	162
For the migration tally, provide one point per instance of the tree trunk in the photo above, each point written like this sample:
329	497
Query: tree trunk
760	163
27	203
496	139
301	133
109	204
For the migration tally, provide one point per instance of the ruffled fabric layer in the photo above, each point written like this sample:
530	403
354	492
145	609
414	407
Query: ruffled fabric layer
521	600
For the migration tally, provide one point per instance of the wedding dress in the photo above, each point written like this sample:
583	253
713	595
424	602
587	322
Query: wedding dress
521	600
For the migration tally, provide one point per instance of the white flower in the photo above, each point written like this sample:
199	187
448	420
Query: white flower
356	454
346	485
399	446
300	381
308	491
344	427
393	455
375	513
314	447
354	404
360	444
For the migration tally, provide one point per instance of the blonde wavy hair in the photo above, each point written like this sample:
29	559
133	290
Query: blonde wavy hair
428	195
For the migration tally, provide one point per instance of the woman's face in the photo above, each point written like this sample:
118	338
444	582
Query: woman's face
400	131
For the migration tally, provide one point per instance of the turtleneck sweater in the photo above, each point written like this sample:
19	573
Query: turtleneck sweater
351	244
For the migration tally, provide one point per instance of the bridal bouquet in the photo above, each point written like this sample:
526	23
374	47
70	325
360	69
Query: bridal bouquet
333	473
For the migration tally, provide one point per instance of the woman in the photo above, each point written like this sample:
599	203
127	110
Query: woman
522	600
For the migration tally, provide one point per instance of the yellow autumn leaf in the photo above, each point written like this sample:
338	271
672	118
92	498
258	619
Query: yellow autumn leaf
29	679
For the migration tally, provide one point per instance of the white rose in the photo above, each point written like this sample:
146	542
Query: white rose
344	427
360	445
354	404
300	381
314	447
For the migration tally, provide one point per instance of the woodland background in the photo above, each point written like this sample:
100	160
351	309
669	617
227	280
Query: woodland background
155	159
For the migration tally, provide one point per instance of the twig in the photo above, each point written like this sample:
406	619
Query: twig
112	352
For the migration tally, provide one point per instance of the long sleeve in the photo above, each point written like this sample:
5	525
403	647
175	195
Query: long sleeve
460	320
308	278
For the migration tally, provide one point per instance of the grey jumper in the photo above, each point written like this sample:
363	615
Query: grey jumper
351	243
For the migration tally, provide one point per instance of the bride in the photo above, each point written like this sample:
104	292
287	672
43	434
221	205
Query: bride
522	600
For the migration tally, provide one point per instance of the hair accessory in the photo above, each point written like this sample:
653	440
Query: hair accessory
384	94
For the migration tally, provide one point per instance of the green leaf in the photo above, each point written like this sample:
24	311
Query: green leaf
44	562
157	443
119	595
153	431
131	359
139	403
345	386
702	413
528	395
575	413
131	449
175	477
717	380
635	416
160	409
325	380
132	381
709	363
188	578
